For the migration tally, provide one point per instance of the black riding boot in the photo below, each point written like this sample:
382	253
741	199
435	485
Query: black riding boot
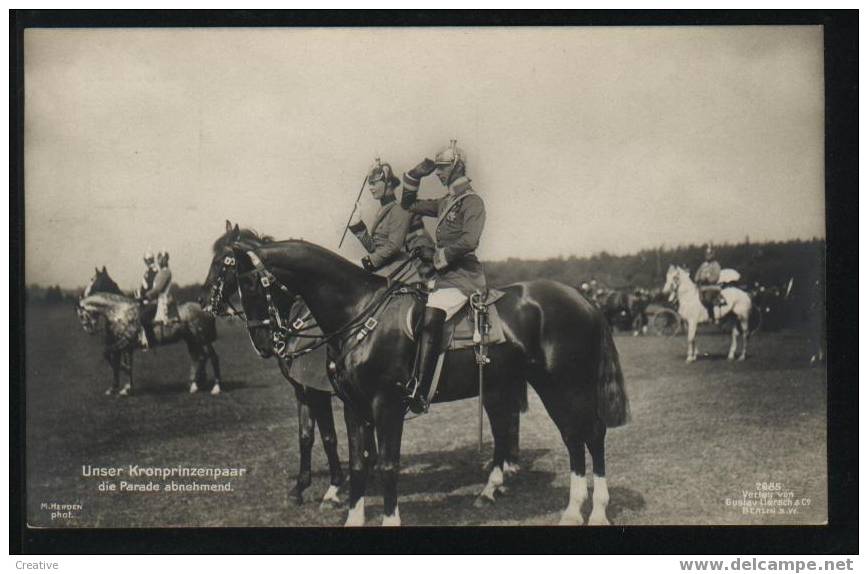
429	343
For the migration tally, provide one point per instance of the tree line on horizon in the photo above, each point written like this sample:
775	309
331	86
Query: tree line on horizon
770	263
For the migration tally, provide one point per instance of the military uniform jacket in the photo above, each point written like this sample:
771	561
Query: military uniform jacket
708	273
148	279
394	233
460	219
162	284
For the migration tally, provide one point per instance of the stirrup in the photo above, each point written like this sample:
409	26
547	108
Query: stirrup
416	402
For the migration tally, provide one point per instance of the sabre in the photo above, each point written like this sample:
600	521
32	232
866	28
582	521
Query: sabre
481	369
355	207
477	302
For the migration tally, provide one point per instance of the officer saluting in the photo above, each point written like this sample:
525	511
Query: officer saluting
458	273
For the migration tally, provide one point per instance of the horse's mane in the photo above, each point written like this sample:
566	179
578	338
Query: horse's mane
325	254
244	234
323	251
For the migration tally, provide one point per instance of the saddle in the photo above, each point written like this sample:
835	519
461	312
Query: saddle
457	331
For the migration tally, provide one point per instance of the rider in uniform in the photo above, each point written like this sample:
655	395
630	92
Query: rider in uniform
458	273
158	297
708	280
149	274
395	232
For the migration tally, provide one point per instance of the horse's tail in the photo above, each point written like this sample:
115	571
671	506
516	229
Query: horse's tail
521	396
202	325
612	404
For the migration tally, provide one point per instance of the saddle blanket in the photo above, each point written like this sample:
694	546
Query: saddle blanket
458	331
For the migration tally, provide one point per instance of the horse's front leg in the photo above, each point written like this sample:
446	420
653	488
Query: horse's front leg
197	365
112	357
744	334
321	407
306	429
691	341
358	437
389	420
126	366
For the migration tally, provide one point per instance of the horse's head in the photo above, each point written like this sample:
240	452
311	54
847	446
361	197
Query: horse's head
101	282
676	278
221	281
88	314
671	279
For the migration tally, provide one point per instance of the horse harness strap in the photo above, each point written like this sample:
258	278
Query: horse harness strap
359	326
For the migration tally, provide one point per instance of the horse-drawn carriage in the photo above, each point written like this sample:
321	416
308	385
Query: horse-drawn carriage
624	309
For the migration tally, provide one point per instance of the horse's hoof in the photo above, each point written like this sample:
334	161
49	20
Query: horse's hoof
501	490
570	519
297	494
193	388
331	499
598	520
742	358
511	468
109	391
124	393
215	390
483	502
730	358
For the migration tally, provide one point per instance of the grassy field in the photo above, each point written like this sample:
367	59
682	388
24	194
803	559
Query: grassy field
700	434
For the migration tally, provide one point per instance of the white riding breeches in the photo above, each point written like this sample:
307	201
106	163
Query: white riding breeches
449	299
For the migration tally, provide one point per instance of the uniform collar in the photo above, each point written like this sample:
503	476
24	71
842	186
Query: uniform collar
460	186
387	199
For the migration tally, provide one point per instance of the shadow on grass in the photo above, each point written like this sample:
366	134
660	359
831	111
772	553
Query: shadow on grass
441	487
150	387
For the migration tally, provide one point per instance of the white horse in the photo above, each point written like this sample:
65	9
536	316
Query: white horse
691	309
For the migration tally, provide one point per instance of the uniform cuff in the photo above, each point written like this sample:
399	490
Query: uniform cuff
357	227
411	183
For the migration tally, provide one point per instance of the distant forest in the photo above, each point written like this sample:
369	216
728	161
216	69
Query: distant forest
767	263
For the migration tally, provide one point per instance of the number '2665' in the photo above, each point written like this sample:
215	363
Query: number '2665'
768	486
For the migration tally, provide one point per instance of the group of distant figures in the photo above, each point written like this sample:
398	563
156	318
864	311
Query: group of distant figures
629	309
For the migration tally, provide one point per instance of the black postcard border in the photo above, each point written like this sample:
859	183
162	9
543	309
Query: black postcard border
840	536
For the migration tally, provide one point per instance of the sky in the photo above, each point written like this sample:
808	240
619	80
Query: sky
580	140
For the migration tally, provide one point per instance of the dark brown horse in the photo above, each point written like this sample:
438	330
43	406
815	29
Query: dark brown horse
556	341
104	303
307	375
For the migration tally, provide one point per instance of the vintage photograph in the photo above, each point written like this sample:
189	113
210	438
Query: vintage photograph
425	276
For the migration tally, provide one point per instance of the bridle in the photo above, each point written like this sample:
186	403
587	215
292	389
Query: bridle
283	329
676	284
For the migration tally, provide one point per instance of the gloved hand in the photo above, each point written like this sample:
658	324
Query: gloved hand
425	168
425	254
366	263
356	223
